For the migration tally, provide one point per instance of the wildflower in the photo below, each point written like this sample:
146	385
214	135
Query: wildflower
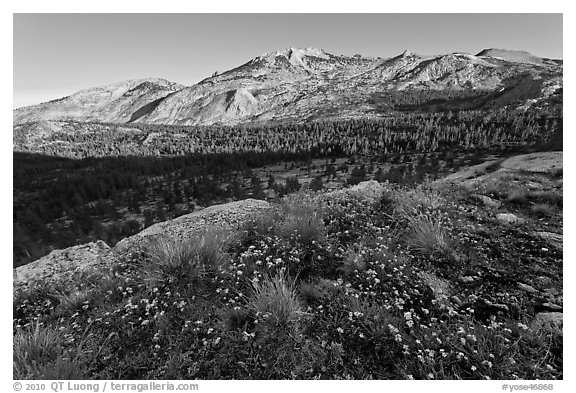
487	363
473	368
522	326
340	330
431	376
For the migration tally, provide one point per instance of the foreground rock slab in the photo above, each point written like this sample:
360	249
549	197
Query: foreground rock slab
62	264
228	216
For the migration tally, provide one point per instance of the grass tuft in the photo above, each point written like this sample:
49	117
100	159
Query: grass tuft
275	302
38	354
427	236
188	261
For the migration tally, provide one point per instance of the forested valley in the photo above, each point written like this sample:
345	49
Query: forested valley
93	181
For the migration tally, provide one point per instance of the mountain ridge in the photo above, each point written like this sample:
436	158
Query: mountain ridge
294	83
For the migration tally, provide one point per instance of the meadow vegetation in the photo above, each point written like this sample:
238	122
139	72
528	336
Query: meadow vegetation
420	283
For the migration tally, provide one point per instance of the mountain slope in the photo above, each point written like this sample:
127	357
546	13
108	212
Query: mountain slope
514	56
117	102
301	84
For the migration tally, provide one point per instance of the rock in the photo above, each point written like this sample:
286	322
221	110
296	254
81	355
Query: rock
223	217
370	190
509	218
440	287
552	307
548	321
496	306
466	279
554	239
63	264
487	201
535	162
485	309
527	288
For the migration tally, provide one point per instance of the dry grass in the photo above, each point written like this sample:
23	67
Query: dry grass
188	260
427	236
303	220
73	301
38	354
419	199
276	302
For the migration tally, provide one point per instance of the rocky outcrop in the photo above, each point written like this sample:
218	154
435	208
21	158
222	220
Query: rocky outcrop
66	264
63	264
509	218
370	190
535	162
98	256
554	239
228	216
487	201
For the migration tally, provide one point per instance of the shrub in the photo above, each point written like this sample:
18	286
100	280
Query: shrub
518	197
551	197
316	184
542	210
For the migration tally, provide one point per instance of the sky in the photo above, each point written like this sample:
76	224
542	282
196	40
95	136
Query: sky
58	54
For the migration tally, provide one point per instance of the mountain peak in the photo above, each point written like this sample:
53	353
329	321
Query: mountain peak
515	56
298	52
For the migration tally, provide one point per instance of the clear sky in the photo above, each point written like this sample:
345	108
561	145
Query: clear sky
58	54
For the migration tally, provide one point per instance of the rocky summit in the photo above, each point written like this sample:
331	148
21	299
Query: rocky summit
299	84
